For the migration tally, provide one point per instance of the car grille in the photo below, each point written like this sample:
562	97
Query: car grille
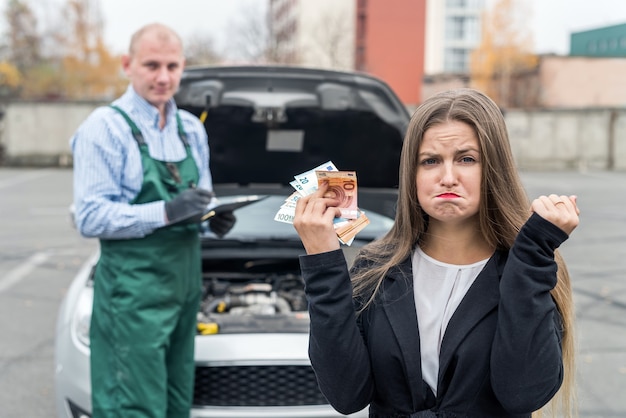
274	385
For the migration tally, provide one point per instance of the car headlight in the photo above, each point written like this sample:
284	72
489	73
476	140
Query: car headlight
82	316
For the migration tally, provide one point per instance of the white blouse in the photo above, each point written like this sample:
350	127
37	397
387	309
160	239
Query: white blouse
438	290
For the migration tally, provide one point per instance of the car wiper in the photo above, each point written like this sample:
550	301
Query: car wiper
249	241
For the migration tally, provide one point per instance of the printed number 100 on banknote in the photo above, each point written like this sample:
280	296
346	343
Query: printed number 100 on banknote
342	186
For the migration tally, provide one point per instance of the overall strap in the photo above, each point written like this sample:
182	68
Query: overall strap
135	130
137	133
181	131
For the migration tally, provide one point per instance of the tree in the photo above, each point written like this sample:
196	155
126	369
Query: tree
504	56
70	61
20	48
22	39
10	79
200	50
252	39
331	45
249	39
89	70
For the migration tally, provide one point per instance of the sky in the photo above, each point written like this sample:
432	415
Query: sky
550	21
187	17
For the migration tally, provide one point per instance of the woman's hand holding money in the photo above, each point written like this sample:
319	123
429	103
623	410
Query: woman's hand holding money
314	220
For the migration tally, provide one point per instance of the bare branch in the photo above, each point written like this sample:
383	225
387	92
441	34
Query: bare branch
200	50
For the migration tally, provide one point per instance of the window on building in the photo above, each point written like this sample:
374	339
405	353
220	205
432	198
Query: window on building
465	4
455	28
456	60
472	29
462	28
591	46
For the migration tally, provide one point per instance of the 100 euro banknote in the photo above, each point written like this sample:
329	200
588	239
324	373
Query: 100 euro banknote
287	210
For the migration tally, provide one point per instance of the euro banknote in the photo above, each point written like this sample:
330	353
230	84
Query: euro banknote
347	229
343	185
306	183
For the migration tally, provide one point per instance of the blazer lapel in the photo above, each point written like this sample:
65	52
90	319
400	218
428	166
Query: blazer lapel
481	298
399	306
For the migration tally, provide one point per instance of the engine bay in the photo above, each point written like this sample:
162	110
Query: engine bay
262	296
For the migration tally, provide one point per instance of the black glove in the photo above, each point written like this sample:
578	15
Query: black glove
222	222
188	206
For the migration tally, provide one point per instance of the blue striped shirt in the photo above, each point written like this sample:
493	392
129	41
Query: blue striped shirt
108	173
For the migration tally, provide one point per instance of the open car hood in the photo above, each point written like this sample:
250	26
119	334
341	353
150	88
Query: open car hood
266	124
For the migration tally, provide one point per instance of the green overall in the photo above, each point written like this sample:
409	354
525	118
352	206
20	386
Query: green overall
146	300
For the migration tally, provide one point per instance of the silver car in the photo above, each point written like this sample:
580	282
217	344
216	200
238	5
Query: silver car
265	125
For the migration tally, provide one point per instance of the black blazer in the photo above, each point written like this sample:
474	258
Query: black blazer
500	355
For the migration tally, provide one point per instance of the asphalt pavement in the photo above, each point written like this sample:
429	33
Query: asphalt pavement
40	253
596	258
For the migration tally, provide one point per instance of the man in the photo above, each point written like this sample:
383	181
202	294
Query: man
141	185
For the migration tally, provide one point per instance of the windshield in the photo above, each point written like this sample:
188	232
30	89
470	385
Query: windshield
256	222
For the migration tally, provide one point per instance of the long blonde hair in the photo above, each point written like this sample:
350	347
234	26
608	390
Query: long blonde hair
504	208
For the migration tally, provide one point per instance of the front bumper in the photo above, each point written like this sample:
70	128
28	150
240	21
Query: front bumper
238	376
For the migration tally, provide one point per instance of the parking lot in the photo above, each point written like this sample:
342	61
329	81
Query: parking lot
40	253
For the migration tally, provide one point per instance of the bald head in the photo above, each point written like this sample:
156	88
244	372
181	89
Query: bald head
157	31
154	64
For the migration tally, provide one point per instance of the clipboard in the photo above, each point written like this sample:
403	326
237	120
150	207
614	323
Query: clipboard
229	204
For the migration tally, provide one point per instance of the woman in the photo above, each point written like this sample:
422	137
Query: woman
464	308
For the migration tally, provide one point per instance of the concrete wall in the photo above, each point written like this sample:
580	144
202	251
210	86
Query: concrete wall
38	134
568	139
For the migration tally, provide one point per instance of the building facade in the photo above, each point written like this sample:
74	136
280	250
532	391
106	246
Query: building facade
316	33
397	40
384	38
608	41
453	30
390	44
580	82
557	82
